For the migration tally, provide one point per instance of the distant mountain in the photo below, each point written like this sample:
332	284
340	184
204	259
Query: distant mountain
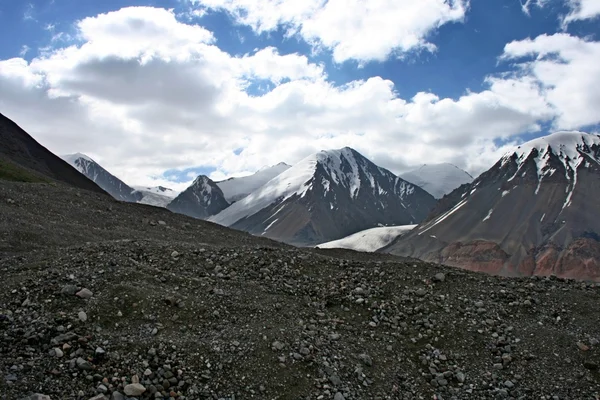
368	240
327	196
438	179
110	183
202	199
158	196
27	159
535	212
236	189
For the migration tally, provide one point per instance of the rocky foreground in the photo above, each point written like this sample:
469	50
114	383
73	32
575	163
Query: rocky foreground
106	300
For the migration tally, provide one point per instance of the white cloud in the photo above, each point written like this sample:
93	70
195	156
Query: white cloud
567	70
582	10
24	50
143	93
28	13
526	7
352	29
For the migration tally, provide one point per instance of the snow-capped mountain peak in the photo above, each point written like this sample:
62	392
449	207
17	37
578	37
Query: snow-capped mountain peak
438	179
236	189
95	172
201	199
571	148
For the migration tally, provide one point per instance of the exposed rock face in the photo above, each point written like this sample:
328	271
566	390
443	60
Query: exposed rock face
328	196
107	181
20	149
201	200
538	205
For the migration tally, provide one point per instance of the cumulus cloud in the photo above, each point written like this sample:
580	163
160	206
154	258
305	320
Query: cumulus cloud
143	93
582	10
567	70
352	29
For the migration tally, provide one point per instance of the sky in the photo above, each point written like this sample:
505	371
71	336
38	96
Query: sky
159	91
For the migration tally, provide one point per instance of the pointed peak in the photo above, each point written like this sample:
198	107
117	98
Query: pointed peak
71	158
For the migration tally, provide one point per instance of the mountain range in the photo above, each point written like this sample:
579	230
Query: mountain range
327	196
532	213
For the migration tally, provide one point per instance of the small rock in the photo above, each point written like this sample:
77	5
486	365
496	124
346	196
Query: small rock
82	316
134	389
460	377
582	346
117	396
509	384
339	396
439	277
84	364
367	360
175	254
69	290
421	292
58	352
84	293
36	396
100	396
277	346
163	223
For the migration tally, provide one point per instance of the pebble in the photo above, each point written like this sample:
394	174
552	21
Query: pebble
69	290
58	352
439	277
134	389
82	316
84	293
37	396
84	364
339	396
278	345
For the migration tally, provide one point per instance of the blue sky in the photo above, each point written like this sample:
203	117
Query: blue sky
461	71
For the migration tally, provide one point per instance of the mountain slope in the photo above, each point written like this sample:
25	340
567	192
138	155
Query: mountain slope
20	149
327	196
158	196
110	183
236	189
438	179
201	199
535	212
368	240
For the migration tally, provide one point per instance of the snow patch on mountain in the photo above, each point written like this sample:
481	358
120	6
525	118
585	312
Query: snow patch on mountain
236	189
160	190
368	240
571	148
293	181
438	179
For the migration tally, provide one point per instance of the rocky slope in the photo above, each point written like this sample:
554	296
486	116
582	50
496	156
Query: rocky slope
438	179
202	199
107	181
236	189
533	213
104	299
327	196
18	151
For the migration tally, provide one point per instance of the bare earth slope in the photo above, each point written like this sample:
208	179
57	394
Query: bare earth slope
197	311
21	149
536	212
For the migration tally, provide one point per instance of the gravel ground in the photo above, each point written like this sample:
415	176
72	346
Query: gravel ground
106	300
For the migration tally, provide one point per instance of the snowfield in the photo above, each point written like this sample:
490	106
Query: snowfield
368	240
